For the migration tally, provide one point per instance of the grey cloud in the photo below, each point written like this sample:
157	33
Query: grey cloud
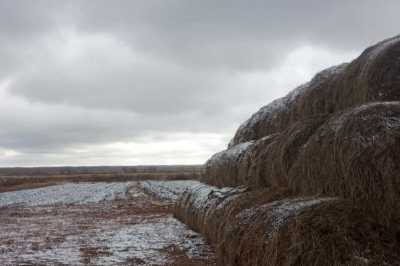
91	73
223	29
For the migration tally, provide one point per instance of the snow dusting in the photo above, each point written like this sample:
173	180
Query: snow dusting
72	193
379	48
202	195
229	156
384	120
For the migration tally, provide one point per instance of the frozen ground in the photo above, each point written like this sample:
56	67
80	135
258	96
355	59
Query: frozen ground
127	226
71	193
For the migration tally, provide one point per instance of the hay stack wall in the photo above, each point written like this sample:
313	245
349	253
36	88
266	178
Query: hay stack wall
271	227
332	146
373	76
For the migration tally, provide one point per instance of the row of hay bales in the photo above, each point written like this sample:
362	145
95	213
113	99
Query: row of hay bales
272	227
320	170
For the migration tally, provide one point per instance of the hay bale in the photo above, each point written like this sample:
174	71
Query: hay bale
262	163
269	227
373	76
284	150
222	169
356	156
238	165
252	165
206	209
321	231
195	206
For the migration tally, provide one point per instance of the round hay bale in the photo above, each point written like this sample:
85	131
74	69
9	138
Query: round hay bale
227	217
222	169
356	156
372	77
209	210
313	231
284	150
196	204
237	166
263	163
252	165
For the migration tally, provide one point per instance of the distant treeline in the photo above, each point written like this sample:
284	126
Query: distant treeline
100	169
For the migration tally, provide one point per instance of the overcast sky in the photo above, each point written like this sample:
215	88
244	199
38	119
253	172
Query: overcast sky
161	82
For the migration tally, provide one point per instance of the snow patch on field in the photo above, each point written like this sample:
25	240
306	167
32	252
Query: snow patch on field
144	241
168	189
72	193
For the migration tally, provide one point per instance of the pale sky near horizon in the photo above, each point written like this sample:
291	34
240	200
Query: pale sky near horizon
161	82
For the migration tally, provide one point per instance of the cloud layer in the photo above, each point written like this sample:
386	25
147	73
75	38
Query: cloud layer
160	82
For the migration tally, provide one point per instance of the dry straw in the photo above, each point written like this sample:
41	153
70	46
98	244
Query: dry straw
262	163
238	165
270	227
356	156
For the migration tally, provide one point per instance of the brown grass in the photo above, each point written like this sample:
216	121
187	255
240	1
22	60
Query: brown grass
270	227
20	182
27	186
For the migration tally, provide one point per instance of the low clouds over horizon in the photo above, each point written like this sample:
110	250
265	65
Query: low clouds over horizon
161	82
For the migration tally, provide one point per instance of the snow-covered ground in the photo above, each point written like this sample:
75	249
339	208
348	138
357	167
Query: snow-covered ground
96	230
71	193
167	189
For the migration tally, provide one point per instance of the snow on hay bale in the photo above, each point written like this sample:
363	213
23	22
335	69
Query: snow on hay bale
231	167
262	163
270	227
203	206
221	169
277	115
373	76
356	156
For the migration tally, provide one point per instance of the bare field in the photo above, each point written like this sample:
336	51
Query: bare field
13	182
98	224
